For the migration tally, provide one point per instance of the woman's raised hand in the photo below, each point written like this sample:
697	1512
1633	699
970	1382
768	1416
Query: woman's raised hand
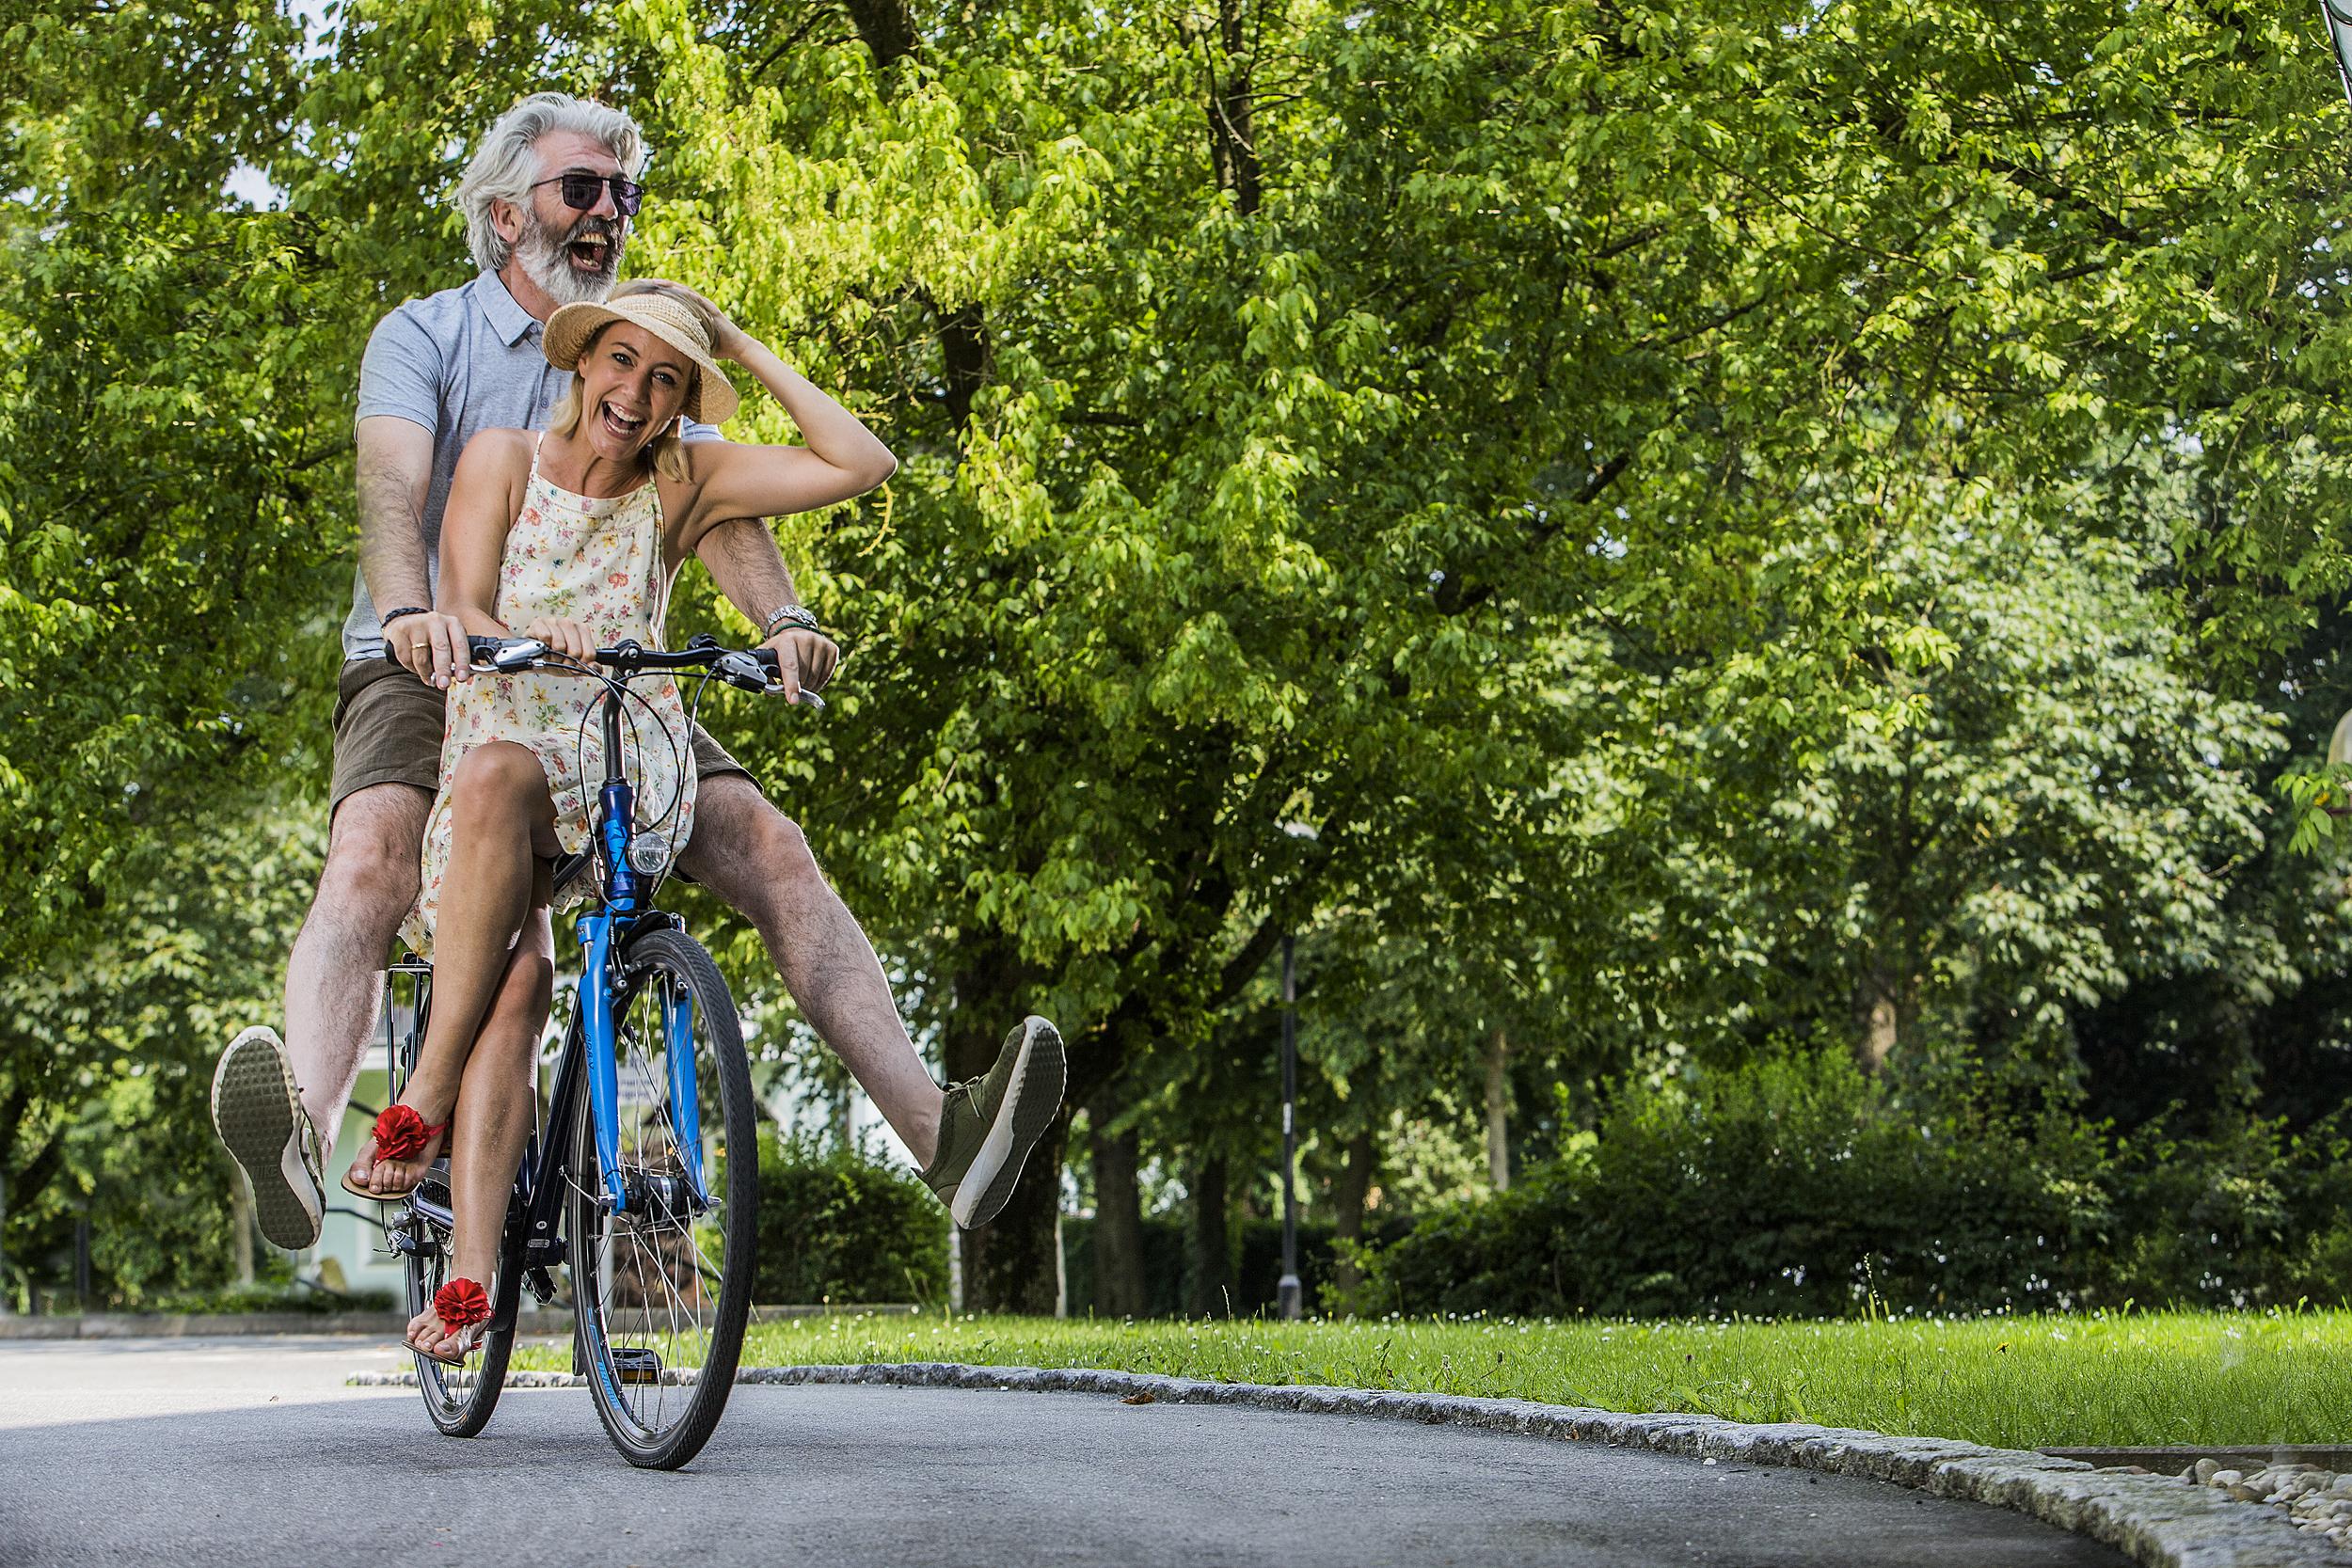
727	340
569	638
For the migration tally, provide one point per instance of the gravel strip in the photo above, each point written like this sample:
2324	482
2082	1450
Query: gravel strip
2158	1521
2318	1500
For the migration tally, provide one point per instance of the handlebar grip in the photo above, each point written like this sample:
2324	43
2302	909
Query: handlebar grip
479	650
774	667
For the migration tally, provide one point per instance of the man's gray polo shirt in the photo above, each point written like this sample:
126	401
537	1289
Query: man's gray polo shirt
462	361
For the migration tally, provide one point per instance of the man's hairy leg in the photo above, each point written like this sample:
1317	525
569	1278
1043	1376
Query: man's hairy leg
335	975
756	859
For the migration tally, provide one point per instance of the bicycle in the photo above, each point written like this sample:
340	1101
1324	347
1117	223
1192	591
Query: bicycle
645	1164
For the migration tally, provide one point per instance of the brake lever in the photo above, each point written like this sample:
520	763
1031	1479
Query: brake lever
515	654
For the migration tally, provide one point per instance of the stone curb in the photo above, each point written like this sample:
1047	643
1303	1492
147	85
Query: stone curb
164	1325
2157	1521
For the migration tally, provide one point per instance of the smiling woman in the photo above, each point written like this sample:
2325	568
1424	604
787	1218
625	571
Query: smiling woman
667	447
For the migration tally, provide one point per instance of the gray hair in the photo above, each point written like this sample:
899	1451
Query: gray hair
503	168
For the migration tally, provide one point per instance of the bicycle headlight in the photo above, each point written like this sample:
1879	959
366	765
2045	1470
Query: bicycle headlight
649	853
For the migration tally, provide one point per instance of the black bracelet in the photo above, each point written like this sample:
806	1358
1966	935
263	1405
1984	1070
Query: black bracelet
385	620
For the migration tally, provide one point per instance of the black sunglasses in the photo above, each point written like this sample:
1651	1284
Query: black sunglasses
581	189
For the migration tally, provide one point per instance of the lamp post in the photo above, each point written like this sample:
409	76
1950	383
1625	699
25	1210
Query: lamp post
1287	1295
1289	1298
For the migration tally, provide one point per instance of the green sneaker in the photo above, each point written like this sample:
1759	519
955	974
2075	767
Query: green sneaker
258	1113
989	1125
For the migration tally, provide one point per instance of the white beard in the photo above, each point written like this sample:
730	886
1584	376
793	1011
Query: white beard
547	262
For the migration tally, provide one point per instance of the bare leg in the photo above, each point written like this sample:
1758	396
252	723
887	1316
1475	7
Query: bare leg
336	971
496	1102
748	853
501	820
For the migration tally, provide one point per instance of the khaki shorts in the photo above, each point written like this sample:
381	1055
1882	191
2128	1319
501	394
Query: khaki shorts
389	726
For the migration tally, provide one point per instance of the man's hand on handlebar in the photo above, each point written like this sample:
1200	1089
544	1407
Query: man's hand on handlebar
430	646
804	661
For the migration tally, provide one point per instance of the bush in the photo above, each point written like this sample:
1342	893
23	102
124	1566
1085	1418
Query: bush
2244	1217
837	1225
1796	1187
1789	1188
267	1297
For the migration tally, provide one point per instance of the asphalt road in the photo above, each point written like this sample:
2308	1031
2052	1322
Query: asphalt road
252	1453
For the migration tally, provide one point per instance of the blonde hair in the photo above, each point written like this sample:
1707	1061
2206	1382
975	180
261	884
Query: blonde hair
668	449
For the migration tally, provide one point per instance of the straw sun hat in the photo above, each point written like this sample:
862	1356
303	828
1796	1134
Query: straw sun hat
708	400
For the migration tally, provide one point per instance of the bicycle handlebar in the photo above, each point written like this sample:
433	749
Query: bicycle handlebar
746	669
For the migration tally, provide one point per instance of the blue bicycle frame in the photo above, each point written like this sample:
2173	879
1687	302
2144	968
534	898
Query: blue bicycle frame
590	1055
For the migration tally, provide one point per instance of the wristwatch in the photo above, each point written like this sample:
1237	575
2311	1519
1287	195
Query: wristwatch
790	614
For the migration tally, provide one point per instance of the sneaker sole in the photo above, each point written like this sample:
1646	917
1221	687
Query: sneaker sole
255	1107
1031	1101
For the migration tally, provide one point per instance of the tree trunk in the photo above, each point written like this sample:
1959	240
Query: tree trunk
1348	1195
1499	1112
1118	1283
1879	1019
1014	1264
887	29
1232	138
1209	1288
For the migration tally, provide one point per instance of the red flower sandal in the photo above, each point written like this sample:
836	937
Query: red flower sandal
400	1133
460	1304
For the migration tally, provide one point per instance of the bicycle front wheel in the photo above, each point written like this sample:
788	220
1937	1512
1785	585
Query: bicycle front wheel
662	1283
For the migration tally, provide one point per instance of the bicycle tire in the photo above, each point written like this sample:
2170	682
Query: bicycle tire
459	1399
689	1310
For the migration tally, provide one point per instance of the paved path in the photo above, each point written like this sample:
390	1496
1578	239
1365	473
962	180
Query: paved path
252	1452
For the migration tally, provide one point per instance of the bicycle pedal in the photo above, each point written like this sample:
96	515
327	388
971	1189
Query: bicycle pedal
637	1363
542	1285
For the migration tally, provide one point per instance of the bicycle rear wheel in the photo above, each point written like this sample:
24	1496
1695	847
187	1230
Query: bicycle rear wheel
664	1286
458	1399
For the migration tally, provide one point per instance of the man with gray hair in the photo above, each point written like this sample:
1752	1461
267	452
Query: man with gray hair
548	200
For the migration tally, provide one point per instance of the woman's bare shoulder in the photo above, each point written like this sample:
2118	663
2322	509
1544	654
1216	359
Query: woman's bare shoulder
496	450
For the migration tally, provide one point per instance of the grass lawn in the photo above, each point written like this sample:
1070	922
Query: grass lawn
2142	1378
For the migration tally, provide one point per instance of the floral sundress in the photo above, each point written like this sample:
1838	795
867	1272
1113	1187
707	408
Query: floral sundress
596	560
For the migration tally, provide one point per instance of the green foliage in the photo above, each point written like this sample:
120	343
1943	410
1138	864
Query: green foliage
106	1058
1787	1188
170	451
837	1225
1795	1187
286	1297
